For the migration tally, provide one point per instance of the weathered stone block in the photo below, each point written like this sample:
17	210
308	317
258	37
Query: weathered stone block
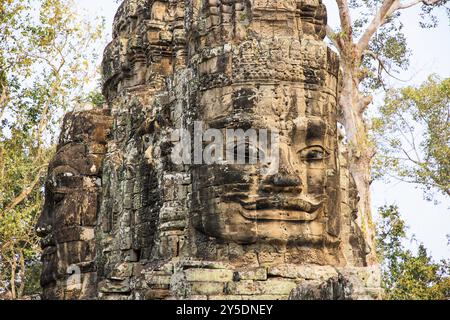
159	281
225	298
112	286
213	275
207	288
245	287
121	272
191	263
156	294
274	287
252	274
309	272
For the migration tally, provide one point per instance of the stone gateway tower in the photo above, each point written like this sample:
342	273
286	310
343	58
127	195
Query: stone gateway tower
124	220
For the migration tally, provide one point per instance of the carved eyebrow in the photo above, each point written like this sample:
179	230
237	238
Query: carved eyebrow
62	170
316	129
318	146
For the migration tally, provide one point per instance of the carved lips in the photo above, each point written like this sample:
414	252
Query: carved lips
280	208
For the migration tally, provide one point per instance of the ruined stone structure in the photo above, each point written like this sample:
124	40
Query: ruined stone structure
123	221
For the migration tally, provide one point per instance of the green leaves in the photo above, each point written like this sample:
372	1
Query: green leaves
428	18
407	275
413	134
389	44
48	55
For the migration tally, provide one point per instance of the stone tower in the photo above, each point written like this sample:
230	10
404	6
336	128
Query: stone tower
123	220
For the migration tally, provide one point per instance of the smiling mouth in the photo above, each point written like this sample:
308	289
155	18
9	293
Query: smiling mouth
281	209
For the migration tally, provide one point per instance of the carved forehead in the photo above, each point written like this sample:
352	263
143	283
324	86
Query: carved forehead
268	101
85	126
74	157
69	154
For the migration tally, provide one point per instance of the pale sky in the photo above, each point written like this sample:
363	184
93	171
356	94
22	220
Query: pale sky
430	223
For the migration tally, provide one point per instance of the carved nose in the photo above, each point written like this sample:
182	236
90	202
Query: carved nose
43	226
285	177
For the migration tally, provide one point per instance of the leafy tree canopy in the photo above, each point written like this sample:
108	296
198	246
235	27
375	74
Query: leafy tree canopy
407	275
47	63
413	132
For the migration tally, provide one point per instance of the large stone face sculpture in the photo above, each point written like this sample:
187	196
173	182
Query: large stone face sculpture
69	216
262	65
277	229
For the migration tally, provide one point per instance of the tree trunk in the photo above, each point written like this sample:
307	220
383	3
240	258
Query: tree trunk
360	169
352	105
21	276
13	278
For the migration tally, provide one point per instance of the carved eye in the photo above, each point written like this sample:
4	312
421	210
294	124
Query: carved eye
313	153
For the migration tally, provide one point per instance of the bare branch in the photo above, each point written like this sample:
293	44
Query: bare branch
382	64
409	158
25	192
432	183
409	4
332	36
344	14
364	102
416	2
387	8
412	135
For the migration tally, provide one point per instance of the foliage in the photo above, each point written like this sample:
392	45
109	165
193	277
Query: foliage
386	52
372	47
47	55
413	131
407	275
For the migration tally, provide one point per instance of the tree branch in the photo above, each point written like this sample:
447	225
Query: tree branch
409	4
4	97
21	275
416	2
333	37
409	158
25	192
387	8
412	143
344	14
381	63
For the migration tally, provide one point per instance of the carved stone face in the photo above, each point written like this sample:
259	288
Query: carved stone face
69	216
299	202
69	212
